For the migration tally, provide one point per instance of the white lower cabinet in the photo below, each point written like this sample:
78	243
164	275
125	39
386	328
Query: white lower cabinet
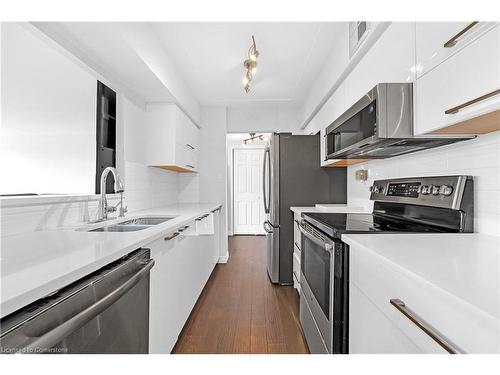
376	326
184	261
297	243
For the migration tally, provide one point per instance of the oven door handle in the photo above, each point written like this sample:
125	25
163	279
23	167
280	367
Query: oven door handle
328	246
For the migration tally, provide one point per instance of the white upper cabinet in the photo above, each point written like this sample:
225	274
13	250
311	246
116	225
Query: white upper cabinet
391	59
437	41
457	89
172	139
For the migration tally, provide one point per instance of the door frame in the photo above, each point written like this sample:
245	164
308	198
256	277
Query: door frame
231	179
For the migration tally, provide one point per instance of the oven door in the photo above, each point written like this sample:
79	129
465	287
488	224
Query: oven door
317	260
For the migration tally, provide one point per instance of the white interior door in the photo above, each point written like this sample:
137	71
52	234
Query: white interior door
248	204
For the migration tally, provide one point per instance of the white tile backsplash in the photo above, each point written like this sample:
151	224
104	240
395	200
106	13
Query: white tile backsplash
145	187
479	158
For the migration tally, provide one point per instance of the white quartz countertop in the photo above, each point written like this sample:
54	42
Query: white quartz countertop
464	265
339	208
36	264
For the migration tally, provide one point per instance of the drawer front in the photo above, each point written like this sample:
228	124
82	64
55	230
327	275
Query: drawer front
296	231
371	332
458	80
431	37
311	332
296	265
459	322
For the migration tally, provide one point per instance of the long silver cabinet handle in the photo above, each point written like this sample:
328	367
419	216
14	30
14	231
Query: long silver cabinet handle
470	102
191	147
454	39
190	166
171	237
51	338
182	229
424	326
316	240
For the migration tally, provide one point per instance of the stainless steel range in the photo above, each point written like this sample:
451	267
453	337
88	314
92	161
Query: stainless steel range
405	205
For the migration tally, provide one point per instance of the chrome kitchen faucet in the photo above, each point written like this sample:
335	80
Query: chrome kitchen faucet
103	203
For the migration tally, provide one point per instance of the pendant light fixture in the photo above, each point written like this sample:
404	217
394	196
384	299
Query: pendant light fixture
250	65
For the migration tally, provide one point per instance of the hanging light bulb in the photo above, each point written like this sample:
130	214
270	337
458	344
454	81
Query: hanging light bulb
250	65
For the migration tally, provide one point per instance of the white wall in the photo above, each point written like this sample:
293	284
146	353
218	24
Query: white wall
145	187
212	172
479	158
48	117
263	118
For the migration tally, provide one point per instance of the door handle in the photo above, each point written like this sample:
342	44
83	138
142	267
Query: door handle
318	241
454	39
267	227
424	326
470	102
266	200
171	237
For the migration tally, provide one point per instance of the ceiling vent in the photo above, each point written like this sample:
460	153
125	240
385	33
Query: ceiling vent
358	30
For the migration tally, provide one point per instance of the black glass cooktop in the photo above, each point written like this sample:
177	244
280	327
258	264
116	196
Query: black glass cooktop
335	224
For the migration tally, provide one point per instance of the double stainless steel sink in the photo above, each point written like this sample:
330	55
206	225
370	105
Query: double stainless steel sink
133	225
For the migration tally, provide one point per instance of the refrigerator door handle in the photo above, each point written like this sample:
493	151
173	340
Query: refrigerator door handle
267	227
267	157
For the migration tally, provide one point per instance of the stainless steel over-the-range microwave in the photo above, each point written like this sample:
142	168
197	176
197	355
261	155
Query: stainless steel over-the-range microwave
380	125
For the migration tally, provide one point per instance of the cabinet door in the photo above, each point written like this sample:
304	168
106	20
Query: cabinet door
217	239
186	158
297	236
434	41
371	332
187	133
469	74
159	129
390	59
166	314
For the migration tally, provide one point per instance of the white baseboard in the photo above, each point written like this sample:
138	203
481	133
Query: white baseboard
224	258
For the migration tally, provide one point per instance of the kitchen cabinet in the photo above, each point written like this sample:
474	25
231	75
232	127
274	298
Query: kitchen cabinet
184	260
390	59
437	41
297	243
172	139
459	79
377	326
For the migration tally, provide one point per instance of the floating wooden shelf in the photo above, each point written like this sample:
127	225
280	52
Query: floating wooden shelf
487	123
345	162
174	168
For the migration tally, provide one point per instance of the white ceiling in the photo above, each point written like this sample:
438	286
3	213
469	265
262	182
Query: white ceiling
210	57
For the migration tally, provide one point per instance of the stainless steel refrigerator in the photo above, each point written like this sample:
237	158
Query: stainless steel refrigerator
292	176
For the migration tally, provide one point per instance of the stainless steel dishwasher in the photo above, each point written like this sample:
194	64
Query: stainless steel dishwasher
104	312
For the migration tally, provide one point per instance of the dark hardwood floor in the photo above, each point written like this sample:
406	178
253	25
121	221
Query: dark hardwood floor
241	311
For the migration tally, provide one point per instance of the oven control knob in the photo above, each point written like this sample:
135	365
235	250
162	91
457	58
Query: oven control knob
445	190
434	189
424	190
